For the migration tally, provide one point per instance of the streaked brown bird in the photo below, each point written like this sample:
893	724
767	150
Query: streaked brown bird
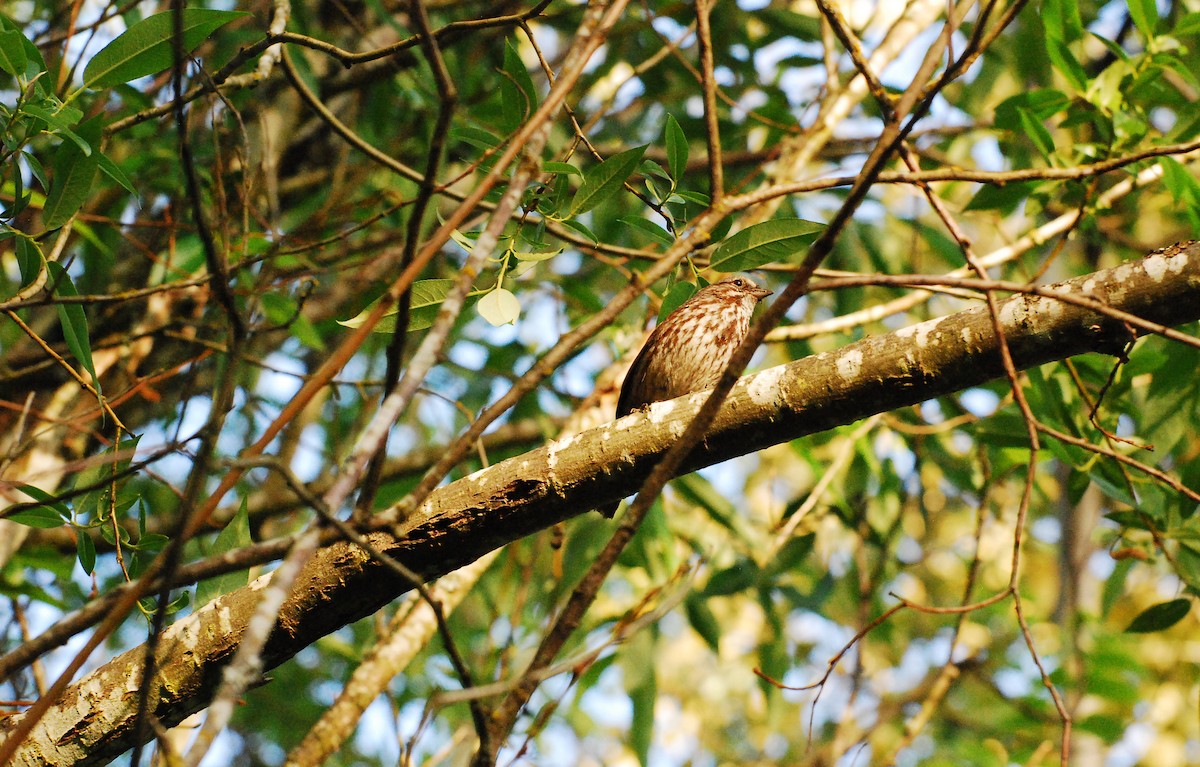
690	349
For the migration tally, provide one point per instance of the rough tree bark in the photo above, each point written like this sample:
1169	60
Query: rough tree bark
466	519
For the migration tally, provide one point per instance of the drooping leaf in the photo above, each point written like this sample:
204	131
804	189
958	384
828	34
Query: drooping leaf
517	92
1032	127
29	259
677	148
74	320
703	621
780	239
74	176
85	550
113	171
146	47
603	181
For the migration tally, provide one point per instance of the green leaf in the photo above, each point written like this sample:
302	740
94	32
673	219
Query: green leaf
113	171
1042	102
1145	15
12	52
679	292
780	239
74	320
731	580
47	500
35	167
518	96
234	536
643	695
29	259
677	148
603	181
703	621
579	227
791	555
38	516
32	54
85	549
1003	198
1189	24
1159	617
1065	62
477	137
500	307
561	167
1062	21
427	295
146	47
74	174
653	230
1179	181
1032	127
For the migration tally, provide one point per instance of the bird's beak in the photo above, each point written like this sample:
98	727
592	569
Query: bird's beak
760	293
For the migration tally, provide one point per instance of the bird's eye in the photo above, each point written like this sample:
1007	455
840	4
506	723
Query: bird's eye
740	283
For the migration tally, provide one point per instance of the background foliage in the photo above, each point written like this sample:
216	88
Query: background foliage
158	261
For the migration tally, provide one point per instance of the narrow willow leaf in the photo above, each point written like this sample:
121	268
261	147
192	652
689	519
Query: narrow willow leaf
1066	63
145	48
12	52
1037	133
561	167
500	307
536	255
1145	15
29	259
235	535
577	226
780	239
1160	617
650	228
427	295
603	181
39	516
1061	20
517	94
113	171
677	148
72	185
73	320
703	621
46	499
85	549
58	117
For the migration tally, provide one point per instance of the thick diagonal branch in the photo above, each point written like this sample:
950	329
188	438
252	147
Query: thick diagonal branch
468	518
